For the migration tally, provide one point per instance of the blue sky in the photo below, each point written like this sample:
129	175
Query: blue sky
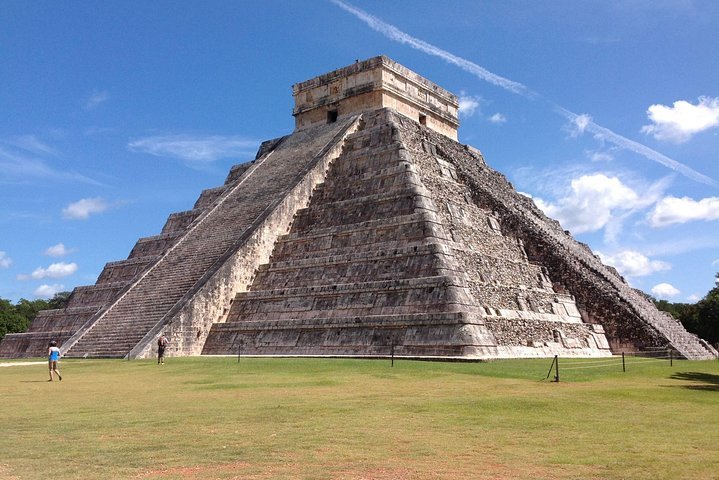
116	114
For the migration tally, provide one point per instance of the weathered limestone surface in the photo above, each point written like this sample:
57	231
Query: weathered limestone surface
603	298
369	231
390	256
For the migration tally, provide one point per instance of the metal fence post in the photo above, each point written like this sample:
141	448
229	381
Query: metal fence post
624	366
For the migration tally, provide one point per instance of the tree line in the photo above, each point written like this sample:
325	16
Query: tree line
17	318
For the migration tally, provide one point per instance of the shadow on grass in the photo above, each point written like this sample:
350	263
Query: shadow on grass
701	381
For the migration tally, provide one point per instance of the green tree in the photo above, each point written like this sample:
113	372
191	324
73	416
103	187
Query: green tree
17	318
10	320
706	316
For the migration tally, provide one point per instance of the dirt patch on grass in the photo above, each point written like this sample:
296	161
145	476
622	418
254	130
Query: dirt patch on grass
20	364
247	471
5	473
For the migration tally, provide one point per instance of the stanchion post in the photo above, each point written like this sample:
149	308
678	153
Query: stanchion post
624	366
671	357
556	368
239	351
551	367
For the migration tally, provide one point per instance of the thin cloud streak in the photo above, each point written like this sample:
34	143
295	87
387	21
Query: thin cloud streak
393	33
607	135
398	35
191	148
23	168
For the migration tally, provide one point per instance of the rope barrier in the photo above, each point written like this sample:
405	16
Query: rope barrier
647	360
607	362
592	366
603	360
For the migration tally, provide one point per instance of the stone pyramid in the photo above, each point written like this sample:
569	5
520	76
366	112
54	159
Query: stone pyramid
368	231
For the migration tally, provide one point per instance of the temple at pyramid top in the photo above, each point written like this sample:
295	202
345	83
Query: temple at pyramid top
378	82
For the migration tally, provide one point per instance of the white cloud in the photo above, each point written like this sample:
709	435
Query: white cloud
58	250
694	298
631	263
590	204
55	270
715	262
194	148
5	261
468	105
82	209
498	118
665	290
671	210
579	124
31	143
683	120
95	99
48	291
596	156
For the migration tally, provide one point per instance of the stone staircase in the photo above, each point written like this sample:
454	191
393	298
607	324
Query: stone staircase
221	220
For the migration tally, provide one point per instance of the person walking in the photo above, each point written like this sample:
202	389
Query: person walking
53	356
161	345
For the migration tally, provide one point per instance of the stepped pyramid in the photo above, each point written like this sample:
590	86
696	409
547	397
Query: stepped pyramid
368	231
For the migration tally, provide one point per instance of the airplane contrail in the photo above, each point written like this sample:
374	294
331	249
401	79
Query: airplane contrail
398	35
607	135
603	133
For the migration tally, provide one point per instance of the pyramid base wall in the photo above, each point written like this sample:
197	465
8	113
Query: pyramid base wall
449	335
440	335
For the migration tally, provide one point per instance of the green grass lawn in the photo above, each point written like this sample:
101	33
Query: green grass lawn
200	418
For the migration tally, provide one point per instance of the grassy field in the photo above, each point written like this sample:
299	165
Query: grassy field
212	418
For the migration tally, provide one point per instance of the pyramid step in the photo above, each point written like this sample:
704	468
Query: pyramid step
125	270
95	295
385	180
408	262
415	295
354	257
356	210
385	234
